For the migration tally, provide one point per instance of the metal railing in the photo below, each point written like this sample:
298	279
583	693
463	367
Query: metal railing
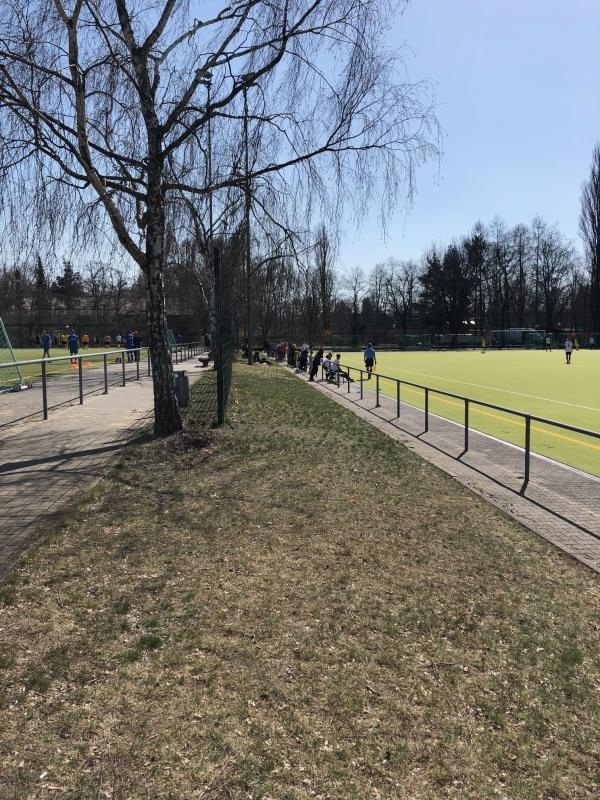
468	402
125	358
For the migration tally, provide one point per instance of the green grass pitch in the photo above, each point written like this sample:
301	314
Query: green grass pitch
31	372
530	381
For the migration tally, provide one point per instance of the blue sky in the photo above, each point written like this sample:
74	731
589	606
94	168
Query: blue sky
518	98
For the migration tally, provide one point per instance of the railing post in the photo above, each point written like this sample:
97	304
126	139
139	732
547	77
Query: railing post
44	391
361	384
80	365
348	381
105	359
398	399
377	391
123	367
426	410
527	452
466	424
149	367
137	364
338	377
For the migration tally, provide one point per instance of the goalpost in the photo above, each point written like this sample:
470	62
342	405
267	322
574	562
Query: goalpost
518	337
11	378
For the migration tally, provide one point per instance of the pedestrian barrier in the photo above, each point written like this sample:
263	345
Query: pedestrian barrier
92	373
468	403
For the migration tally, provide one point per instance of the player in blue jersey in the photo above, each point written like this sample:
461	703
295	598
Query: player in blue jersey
46	341
370	359
73	345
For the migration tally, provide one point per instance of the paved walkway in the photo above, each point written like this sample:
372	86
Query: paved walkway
64	388
44	464
560	504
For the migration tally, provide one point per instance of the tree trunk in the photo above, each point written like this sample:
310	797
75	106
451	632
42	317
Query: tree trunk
167	418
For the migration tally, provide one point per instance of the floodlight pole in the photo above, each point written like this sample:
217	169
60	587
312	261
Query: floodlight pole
247	199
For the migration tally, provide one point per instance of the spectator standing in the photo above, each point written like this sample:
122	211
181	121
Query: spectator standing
303	359
129	345
314	367
118	340
137	343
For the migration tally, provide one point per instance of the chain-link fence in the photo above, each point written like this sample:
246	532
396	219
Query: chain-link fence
210	394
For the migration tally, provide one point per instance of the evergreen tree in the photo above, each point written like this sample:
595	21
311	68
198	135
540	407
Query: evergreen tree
68	286
40	296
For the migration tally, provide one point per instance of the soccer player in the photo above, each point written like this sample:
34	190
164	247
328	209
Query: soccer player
568	349
548	346
73	343
46	341
370	359
85	341
483	345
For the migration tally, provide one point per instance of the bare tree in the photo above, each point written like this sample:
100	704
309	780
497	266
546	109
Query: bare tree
324	256
558	259
589	225
401	287
355	285
107	101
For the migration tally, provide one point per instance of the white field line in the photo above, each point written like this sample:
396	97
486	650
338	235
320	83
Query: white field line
492	388
552	461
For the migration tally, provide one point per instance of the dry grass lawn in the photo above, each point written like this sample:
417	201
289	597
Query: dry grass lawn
295	607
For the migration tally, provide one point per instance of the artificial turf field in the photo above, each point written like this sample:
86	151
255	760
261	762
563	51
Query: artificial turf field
530	381
31	371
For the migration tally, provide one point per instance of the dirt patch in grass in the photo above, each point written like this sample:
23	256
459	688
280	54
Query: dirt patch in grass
295	606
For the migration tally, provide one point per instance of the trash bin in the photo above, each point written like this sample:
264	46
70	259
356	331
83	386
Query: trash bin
182	388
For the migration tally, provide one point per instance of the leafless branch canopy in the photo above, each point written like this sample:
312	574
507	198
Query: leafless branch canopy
105	106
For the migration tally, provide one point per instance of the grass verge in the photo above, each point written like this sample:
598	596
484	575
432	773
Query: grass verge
295	606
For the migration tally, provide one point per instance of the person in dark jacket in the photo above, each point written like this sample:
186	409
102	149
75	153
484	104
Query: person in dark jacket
316	363
137	343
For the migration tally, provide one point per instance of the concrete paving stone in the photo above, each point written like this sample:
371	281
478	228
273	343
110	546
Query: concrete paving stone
43	464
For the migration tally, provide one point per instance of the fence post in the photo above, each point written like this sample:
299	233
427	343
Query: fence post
338	377
348	381
80	366
137	364
398	399
527	452
426	410
123	367
44	391
361	384
149	368
466	424
105	359
219	331
377	391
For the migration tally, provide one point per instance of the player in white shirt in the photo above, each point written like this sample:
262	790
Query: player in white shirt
568	349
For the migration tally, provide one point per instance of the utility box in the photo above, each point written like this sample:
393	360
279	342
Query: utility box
182	388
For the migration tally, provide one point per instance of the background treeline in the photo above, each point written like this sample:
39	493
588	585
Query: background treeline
495	277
